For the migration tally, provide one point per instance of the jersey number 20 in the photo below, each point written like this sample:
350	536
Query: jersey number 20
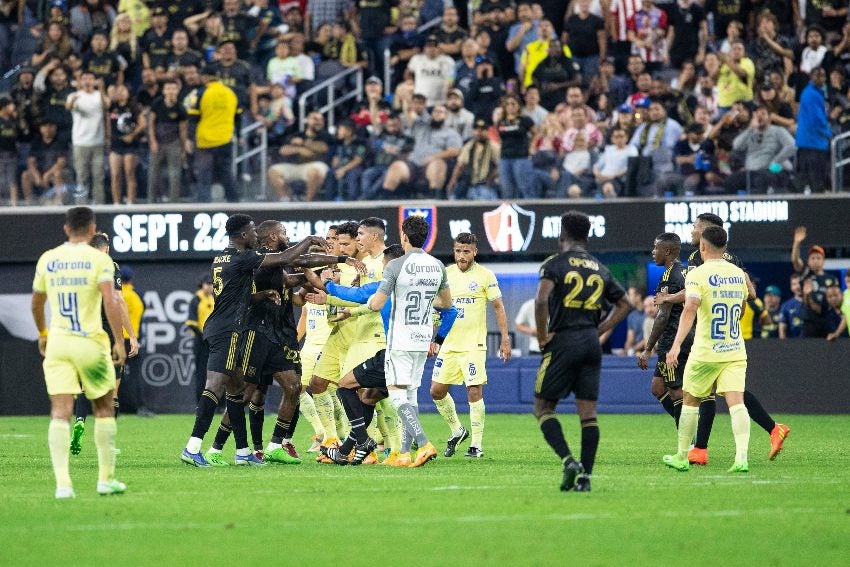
725	316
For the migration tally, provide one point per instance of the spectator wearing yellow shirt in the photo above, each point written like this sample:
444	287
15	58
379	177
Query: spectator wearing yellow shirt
538	50
199	309
735	78
216	106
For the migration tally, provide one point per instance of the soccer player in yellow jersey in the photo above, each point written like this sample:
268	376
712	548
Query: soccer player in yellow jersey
462	355
313	327
715	295
77	279
328	366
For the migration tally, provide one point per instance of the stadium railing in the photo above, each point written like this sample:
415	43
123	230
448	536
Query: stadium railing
838	148
242	152
388	69
333	98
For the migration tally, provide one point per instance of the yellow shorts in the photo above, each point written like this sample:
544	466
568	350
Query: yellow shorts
309	356
360	353
456	368
701	377
79	364
329	363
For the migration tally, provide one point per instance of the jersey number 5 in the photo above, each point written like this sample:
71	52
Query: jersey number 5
218	284
574	298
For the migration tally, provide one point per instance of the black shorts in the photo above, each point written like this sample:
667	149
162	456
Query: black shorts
370	374
123	149
571	364
261	358
672	376
224	348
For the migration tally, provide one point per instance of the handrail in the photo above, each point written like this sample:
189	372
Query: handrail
260	150
388	75
837	164
329	84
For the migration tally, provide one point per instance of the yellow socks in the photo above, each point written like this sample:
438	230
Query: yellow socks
476	418
308	410
687	429
446	407
59	442
104	439
741	431
325	410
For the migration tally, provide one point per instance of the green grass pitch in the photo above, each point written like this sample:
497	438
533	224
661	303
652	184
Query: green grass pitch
504	509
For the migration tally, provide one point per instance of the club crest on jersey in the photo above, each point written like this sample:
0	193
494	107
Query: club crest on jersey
509	228
430	216
473	286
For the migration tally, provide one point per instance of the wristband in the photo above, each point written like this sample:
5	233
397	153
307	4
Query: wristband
43	332
341	259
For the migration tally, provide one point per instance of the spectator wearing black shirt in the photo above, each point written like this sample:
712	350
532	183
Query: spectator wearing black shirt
475	172
234	72
725	11
88	17
497	25
689	160
781	113
772	314
156	42
814	282
391	144
485	91
306	160
554	75
790	323
47	165
24	96
180	56
349	156
585	34
168	137
9	149
404	44
238	27
621	87
516	174
53	95
127	125
465	69
150	88
105	66
450	36
687	34
374	20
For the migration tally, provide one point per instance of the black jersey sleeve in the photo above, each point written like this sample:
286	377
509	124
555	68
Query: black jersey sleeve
248	260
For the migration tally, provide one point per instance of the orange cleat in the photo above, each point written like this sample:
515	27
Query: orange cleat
698	456
322	459
424	455
390	460
371	459
777	438
402	460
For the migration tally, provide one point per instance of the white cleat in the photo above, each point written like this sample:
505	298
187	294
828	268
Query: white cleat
107	487
65	493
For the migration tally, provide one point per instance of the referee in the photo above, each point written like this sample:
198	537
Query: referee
216	106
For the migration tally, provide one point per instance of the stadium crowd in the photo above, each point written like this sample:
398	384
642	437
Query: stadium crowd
599	98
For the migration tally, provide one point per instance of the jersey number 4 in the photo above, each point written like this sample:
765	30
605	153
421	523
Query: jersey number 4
723	317
69	308
575	299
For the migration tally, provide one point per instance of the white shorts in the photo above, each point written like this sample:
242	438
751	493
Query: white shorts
298	171
404	368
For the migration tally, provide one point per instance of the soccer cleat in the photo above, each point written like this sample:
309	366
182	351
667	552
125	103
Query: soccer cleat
402	460
371	459
423	455
259	454
777	438
316	442
249	460
64	493
740	466
364	451
290	448
333	455
108	487
582	483
697	456
77	437
328	443
572	469
216	459
281	456
390	459
474	453
194	459
455	440
674	462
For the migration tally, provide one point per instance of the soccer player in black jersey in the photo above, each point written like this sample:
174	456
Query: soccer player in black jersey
269	353
233	280
708	406
82	406
667	382
567	311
